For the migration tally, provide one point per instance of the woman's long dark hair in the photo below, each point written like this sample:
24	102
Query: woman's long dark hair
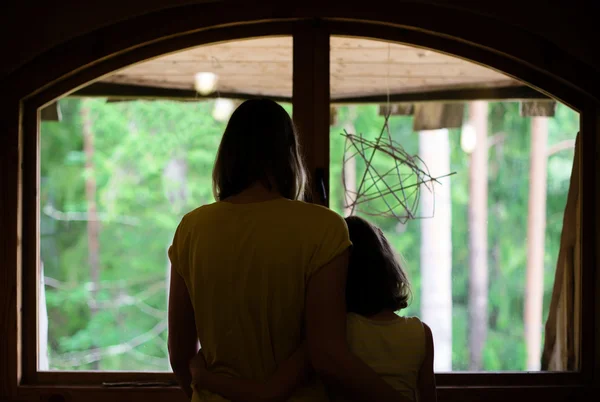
259	145
376	280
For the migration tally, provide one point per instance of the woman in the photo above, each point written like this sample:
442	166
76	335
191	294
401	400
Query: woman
257	271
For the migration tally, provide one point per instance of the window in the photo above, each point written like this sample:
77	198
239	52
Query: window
141	350
471	242
117	176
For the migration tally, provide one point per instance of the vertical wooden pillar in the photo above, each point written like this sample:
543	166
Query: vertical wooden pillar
478	244
311	103
536	231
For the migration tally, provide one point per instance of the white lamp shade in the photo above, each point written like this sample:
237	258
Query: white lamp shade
205	83
223	109
468	138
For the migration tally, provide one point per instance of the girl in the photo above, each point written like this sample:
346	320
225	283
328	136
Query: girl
399	349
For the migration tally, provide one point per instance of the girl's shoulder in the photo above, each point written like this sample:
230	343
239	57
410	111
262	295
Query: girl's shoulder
397	320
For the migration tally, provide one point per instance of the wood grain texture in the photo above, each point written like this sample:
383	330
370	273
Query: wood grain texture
358	67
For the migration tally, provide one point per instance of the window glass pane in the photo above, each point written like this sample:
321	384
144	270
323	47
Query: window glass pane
116	178
444	249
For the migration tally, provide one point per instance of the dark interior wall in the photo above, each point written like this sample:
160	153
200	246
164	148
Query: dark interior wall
28	30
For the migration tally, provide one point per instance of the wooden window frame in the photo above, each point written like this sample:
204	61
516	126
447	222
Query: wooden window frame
311	109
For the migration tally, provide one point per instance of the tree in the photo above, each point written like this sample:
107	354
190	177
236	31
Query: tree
436	245
478	211
93	226
135	144
536	228
349	168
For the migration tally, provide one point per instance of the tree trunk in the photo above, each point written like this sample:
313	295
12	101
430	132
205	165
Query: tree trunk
43	364
349	168
93	225
478	264
536	230
436	246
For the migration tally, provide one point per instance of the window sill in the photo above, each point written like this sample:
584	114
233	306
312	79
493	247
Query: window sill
63	393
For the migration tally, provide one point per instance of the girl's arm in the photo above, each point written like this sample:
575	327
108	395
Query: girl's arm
326	336
289	375
426	381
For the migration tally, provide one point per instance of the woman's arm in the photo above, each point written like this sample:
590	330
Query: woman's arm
326	336
426	380
183	339
290	375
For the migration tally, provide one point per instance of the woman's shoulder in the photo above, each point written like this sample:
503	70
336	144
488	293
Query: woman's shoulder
198	213
317	212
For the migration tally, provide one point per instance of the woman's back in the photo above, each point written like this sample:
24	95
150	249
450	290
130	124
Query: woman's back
246	267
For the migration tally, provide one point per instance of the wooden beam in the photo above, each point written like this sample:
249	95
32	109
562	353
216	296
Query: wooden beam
450	95
333	116
433	116
133	92
402	109
538	109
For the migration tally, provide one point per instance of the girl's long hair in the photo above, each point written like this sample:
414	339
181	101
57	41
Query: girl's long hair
376	280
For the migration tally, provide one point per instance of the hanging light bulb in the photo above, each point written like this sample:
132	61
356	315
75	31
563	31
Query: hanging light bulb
468	138
223	109
205	83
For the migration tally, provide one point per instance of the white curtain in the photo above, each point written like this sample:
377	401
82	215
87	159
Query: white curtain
562	339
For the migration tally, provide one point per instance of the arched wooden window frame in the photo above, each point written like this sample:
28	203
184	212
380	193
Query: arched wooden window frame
74	65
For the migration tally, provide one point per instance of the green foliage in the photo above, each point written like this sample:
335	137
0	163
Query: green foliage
141	146
508	189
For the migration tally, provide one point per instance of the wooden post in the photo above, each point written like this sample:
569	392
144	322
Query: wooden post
436	246
478	212
536	231
311	103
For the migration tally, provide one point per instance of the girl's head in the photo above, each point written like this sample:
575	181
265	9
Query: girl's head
376	281
259	145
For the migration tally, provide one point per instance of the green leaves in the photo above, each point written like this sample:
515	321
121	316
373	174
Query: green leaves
153	163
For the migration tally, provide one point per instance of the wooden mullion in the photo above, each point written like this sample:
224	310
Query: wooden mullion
310	100
30	241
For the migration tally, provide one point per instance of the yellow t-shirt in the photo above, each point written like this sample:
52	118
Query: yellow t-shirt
246	267
395	349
